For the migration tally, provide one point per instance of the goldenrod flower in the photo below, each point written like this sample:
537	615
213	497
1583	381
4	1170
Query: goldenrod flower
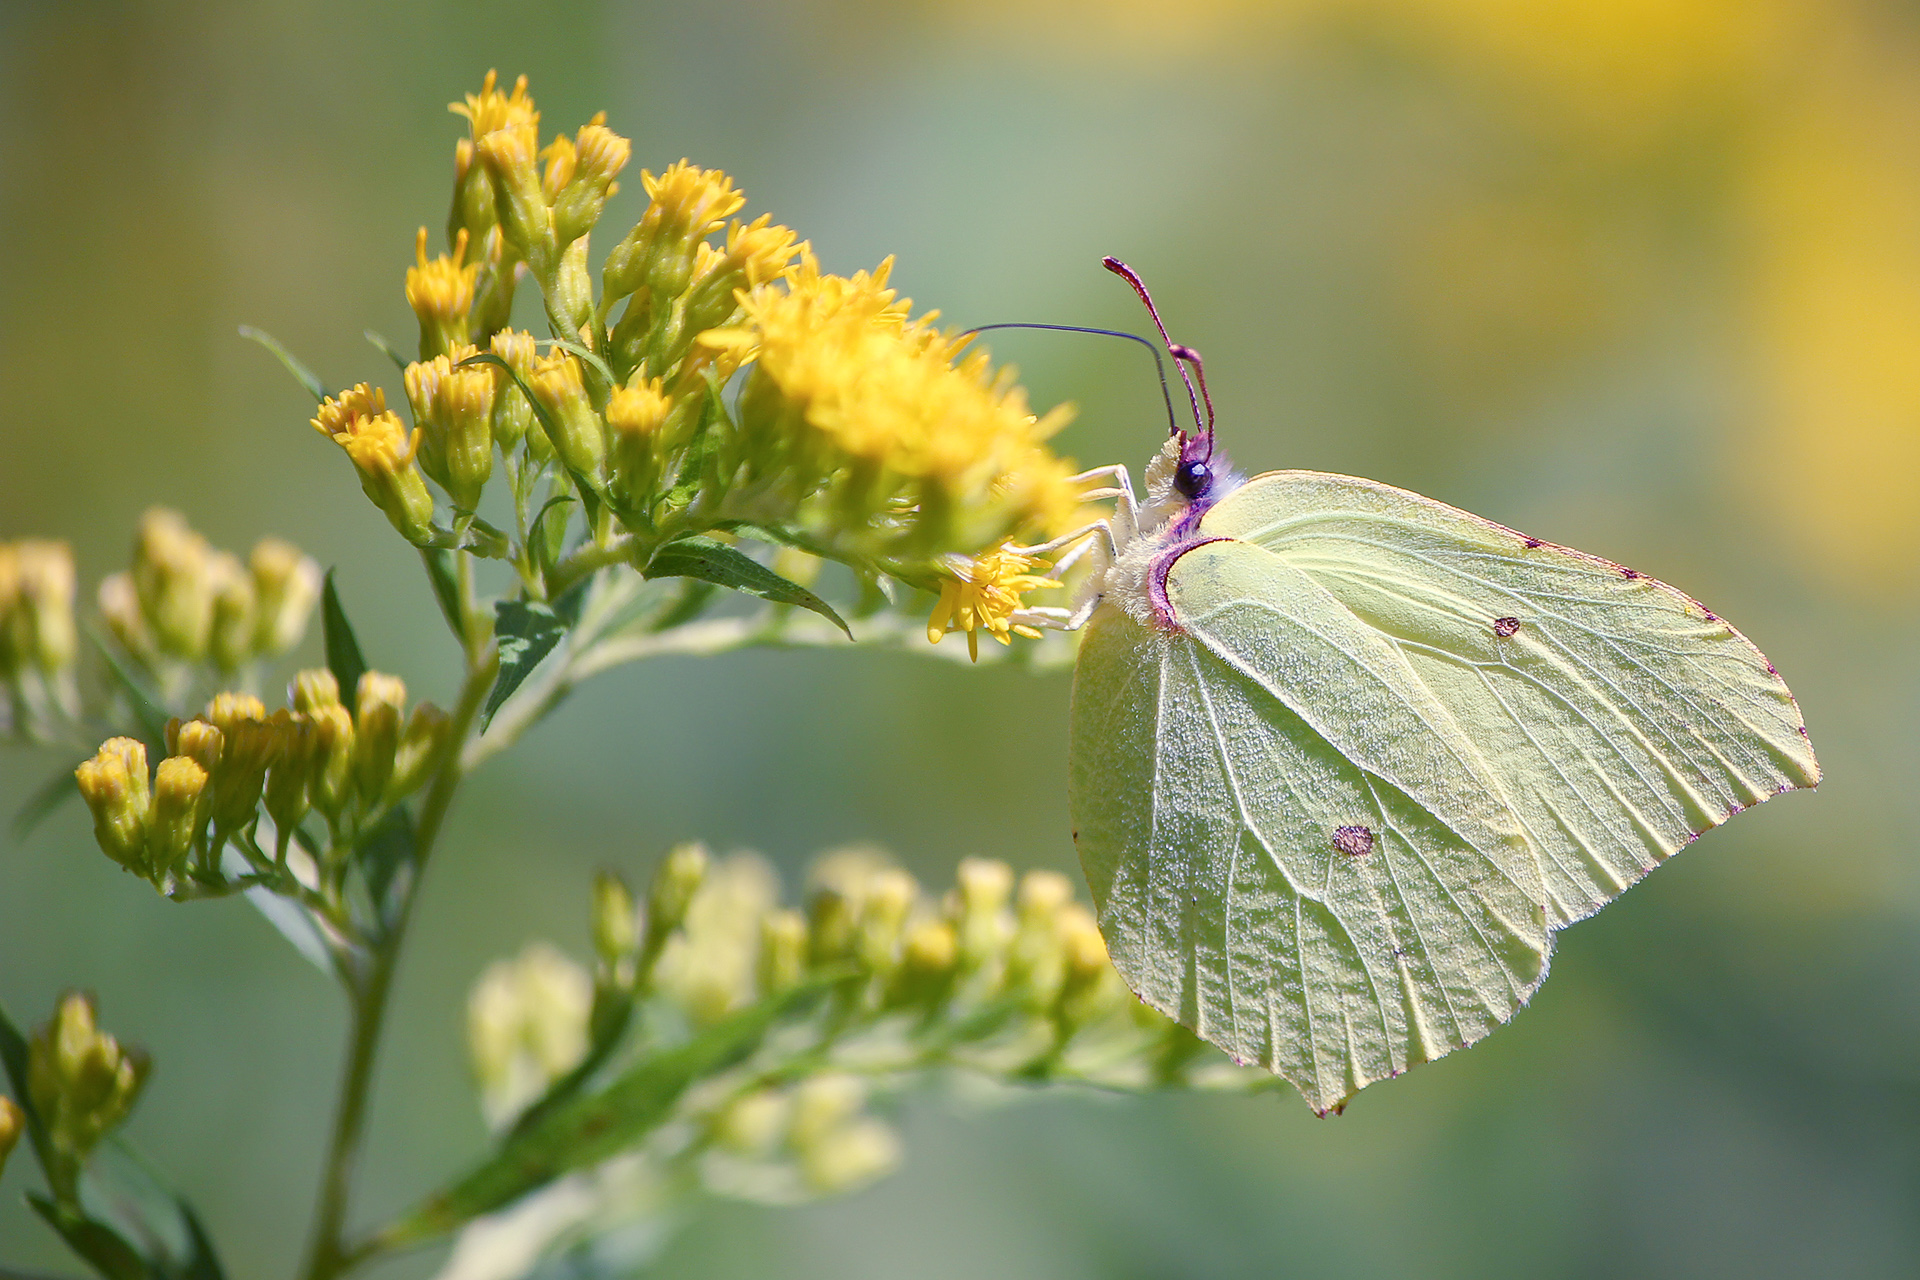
378	702
582	439
637	417
595	157
441	295
286	585
984	594
173	581
382	451
513	417
177	816
490	109
115	786
454	407
686	205
914	453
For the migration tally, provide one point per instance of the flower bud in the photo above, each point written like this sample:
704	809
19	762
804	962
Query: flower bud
249	743
382	452
511	158
1036	959
526	1027
177	816
286	586
890	895
331	781
674	884
82	1084
838	1148
198	740
313	689
982	887
119	606
454	407
686	205
441	295
616	926
753	1123
637	421
513	417
230	637
45	585
581	441
493	290
173	580
418	749
12	1121
783	950
114	785
927	958
598	156
378	703
290	775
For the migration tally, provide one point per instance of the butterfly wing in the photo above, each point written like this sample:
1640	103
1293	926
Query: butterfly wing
1619	717
1290	849
1331	820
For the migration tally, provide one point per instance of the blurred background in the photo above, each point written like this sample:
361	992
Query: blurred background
1640	276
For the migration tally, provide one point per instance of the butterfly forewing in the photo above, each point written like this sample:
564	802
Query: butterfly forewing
1618	717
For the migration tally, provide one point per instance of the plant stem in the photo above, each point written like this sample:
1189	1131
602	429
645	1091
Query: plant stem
327	1254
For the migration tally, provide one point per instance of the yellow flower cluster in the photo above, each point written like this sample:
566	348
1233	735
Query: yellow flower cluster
82	1083
185	601
38	637
222	765
984	594
876	429
382	451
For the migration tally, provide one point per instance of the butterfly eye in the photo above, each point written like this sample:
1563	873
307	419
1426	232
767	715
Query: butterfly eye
1192	478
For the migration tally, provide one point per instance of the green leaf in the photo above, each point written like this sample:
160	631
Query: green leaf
779	537
343	651
590	1129
446	588
45	800
385	348
526	632
715	562
389	859
303	375
128	1225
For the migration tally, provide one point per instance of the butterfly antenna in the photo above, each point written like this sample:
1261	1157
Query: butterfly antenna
1159	365
1187	355
1128	274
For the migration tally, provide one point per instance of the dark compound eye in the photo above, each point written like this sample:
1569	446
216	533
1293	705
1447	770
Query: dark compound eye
1192	478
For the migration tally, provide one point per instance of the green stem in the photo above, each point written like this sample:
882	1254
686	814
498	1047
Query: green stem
328	1255
588	559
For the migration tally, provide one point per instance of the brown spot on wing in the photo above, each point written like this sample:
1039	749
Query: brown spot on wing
1505	627
1354	841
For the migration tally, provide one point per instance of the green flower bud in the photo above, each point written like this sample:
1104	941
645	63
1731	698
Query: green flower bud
581	441
286	586
599	156
82	1084
616	927
674	885
890	895
753	1123
114	785
783	950
513	416
39	577
290	775
838	1148
250	743
177	816
198	741
511	158
173	580
927	958
981	888
230	635
419	748
330	782
119	605
313	689
378	703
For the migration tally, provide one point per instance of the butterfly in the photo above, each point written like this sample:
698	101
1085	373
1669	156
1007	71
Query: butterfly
1344	758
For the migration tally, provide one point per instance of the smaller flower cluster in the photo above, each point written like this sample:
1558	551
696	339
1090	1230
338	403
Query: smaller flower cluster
221	768
183	602
1003	980
38	638
82	1083
986	594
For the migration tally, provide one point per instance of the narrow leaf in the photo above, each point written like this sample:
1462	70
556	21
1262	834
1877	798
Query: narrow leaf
725	566
303	375
98	1244
585	357
526	632
289	918
590	1129
385	348
343	651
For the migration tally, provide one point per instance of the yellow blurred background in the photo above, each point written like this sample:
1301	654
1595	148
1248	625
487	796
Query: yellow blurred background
1638	276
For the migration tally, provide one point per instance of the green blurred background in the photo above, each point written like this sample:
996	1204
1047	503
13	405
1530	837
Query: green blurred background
1641	276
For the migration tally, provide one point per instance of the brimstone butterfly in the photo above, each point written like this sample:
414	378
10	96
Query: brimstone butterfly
1344	757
